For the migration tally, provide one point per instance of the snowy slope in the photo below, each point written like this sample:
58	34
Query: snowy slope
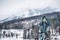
28	13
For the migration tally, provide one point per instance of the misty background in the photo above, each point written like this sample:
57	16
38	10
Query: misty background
13	7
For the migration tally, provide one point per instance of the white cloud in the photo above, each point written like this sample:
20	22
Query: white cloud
9	7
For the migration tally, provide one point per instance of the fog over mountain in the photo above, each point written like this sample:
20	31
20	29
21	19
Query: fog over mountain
29	12
14	7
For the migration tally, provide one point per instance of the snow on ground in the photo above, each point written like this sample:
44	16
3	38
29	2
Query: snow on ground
58	36
11	38
20	37
16	31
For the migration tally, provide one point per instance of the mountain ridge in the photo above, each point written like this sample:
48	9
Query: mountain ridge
29	12
50	15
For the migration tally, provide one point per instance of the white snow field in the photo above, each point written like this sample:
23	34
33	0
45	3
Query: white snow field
20	35
16	31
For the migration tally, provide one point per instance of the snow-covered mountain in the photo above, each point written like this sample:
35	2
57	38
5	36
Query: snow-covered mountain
28	13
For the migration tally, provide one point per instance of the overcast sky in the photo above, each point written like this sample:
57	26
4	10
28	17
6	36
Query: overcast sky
10	7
